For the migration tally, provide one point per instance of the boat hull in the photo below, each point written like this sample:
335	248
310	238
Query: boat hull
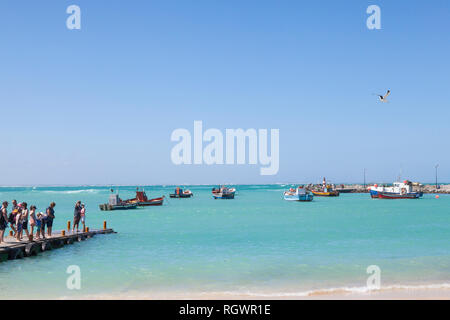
148	203
223	195
108	207
389	195
173	195
301	198
326	194
374	194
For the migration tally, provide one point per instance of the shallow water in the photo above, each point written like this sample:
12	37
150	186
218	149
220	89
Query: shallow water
255	243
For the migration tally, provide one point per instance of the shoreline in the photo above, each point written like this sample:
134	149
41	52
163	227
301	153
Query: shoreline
430	292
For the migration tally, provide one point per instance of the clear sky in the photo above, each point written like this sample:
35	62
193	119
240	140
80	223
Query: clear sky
98	105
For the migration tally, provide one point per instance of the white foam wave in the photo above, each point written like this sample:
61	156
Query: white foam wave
255	295
331	291
71	191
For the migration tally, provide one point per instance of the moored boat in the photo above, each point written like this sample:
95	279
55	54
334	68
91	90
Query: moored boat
223	192
115	203
326	190
298	194
399	190
141	200
326	193
180	193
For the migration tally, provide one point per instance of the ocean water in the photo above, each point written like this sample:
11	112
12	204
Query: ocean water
256	244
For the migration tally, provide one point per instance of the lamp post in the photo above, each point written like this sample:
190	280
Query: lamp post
436	167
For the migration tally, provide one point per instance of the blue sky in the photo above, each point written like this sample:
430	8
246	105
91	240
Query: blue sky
98	105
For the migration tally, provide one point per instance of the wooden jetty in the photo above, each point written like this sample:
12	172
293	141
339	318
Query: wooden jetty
12	249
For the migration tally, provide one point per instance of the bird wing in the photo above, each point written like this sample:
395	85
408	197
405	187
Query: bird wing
387	93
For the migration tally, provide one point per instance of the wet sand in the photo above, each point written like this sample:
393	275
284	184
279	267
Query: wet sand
333	294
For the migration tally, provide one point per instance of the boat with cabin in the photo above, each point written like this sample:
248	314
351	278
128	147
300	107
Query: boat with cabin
180	193
326	190
298	194
115	203
223	192
399	190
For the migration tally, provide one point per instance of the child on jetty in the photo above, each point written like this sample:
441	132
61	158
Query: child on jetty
39	223
41	220
32	221
83	216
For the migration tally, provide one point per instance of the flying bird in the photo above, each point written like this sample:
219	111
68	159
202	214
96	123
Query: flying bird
383	98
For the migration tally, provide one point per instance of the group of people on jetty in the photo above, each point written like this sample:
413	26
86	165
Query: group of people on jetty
22	220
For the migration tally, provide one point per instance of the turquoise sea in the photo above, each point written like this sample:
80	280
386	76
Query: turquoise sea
257	244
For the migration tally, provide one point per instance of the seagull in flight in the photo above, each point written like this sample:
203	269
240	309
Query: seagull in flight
383	98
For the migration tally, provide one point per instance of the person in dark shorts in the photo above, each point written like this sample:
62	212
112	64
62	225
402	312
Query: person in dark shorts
49	220
3	220
12	216
25	216
76	216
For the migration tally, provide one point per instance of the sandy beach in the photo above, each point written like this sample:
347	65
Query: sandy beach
422	292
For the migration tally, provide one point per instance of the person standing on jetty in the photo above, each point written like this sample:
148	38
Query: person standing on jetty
40	225
19	223
33	221
49	219
12	215
25	214
76	216
83	216
3	220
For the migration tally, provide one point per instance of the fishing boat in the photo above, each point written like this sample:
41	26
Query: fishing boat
326	190
141	200
180	193
223	192
326	193
299	194
399	190
115	203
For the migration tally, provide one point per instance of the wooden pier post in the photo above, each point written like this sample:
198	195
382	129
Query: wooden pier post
68	225
63	232
11	233
87	229
104	225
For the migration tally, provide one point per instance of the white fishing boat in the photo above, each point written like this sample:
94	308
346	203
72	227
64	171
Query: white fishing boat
399	190
223	192
298	194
